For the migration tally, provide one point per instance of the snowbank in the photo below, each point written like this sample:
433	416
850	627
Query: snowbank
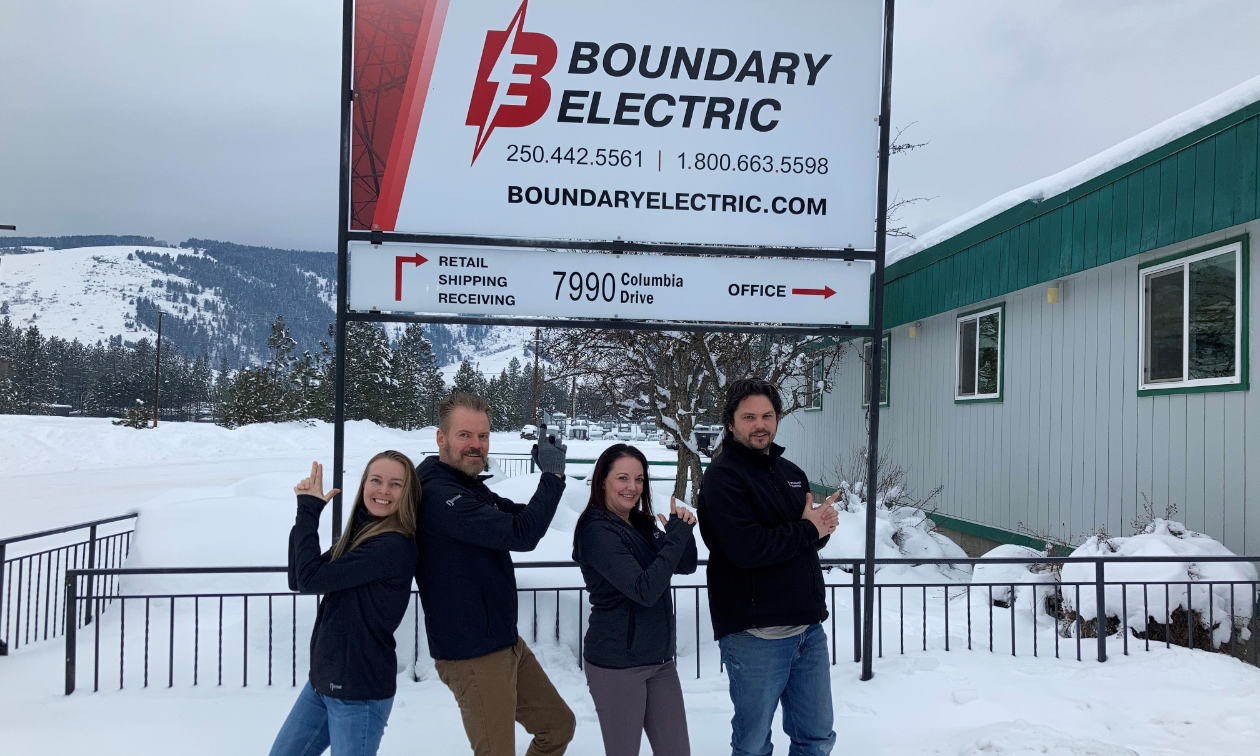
1194	582
1157	136
900	532
1018	577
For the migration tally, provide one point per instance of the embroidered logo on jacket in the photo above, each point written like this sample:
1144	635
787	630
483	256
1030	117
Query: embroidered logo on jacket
451	502
794	483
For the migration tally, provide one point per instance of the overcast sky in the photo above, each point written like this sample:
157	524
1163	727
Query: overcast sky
189	118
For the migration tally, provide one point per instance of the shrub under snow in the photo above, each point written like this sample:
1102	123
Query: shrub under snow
1199	586
1020	577
900	531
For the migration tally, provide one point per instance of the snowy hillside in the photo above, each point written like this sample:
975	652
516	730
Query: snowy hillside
488	348
89	293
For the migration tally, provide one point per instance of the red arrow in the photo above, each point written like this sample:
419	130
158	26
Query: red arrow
824	292
399	261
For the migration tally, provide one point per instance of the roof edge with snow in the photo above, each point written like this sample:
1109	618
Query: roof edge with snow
1045	195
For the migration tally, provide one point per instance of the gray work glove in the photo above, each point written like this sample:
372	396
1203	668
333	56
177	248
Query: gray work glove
548	453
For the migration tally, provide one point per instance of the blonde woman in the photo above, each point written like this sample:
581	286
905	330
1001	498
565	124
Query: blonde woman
366	582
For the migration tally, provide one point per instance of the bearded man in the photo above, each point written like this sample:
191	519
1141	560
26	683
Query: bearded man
468	586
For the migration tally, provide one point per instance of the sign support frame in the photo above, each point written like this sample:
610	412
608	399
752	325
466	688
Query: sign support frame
874	332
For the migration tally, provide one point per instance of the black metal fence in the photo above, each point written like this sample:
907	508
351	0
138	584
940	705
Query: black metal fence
261	637
31	582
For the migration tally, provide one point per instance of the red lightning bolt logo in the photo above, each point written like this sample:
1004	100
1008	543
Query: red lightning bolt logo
510	90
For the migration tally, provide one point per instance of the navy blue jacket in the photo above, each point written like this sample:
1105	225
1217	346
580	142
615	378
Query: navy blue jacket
366	593
627	570
763	557
467	582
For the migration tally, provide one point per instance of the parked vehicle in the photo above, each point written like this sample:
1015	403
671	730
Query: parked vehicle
530	432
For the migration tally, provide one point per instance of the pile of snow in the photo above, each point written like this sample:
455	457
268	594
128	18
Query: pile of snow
1153	138
900	532
1193	582
1021	578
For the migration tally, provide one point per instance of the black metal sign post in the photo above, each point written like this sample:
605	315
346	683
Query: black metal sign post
874	332
877	348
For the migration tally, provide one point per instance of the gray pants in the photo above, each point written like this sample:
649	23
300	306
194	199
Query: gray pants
631	701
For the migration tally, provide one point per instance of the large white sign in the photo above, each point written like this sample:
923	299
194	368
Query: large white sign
469	280
696	121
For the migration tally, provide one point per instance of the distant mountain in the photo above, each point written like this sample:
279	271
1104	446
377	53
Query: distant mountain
218	298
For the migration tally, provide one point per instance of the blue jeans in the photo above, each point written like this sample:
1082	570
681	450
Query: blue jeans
352	728
793	671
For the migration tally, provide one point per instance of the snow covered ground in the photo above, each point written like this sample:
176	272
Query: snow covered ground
210	496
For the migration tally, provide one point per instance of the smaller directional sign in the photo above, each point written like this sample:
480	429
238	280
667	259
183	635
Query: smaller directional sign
531	283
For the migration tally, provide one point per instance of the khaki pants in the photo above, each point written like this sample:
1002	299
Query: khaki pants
497	690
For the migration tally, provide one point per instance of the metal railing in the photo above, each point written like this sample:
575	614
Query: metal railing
190	635
30	583
523	464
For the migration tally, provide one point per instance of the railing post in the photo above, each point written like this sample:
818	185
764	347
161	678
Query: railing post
857	611
1100	598
4	647
71	628
91	565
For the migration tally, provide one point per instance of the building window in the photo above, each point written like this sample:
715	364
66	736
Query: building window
815	386
980	356
1192	321
885	361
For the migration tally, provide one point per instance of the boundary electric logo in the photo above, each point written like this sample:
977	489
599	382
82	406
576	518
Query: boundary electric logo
510	91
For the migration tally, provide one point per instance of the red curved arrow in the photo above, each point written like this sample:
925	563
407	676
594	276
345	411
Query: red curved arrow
824	292
399	261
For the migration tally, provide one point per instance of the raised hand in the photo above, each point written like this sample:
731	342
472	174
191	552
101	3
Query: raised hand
314	484
681	512
824	518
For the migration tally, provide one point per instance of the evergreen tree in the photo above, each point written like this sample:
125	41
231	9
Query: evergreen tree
417	383
369	380
467	379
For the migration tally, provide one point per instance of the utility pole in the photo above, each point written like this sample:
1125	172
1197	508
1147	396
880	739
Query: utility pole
537	335
157	370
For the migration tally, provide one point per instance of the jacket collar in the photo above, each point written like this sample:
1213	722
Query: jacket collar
753	456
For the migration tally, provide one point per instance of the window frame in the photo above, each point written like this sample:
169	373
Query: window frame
816	402
1000	309
866	400
1240	380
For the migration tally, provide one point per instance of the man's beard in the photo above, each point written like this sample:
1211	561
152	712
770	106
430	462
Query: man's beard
465	464
748	440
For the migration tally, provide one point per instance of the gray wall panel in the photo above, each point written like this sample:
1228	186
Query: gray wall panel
1071	447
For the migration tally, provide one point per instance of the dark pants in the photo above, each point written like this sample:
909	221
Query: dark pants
795	672
497	690
352	728
632	701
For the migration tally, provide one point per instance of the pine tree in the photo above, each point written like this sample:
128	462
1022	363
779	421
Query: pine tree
468	380
369	384
415	376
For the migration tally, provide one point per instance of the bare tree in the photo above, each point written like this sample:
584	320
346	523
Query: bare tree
680	377
894	226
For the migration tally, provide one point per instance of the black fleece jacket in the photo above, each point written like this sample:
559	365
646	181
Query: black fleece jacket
366	593
465	573
627	570
763	558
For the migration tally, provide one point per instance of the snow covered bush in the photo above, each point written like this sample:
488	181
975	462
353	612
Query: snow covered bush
1198	589
1017	578
902	526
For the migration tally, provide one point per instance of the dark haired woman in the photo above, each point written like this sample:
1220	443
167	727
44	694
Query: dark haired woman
366	582
627	562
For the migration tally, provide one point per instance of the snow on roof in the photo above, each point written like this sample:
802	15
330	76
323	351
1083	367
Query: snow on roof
1157	136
